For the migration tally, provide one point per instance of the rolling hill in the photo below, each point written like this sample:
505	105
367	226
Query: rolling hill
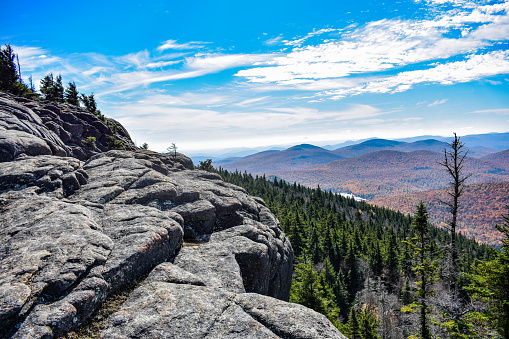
389	173
297	157
374	145
500	159
481	208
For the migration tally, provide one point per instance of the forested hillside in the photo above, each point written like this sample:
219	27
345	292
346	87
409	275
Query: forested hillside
480	210
389	173
353	262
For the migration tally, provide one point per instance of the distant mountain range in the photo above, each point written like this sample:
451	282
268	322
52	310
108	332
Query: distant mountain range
374	145
481	208
497	141
480	144
297	157
374	168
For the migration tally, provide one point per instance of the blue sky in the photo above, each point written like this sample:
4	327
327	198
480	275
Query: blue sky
211	75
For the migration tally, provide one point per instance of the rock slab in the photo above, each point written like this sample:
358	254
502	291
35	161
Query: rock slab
78	225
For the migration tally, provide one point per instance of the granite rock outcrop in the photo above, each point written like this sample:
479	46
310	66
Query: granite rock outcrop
79	224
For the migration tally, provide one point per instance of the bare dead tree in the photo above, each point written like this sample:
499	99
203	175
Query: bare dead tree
19	69
454	162
173	148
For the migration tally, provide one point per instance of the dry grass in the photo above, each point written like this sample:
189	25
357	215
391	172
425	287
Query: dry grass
92	328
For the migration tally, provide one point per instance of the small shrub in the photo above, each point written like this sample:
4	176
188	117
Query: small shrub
90	141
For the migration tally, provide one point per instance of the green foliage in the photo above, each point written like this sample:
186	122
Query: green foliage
10	75
8	71
90	105
425	268
90	141
307	290
52	89
144	146
71	94
114	143
490	283
206	165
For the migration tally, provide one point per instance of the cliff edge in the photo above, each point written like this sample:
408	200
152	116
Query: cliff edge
199	257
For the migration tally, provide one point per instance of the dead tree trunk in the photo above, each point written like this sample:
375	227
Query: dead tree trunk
454	161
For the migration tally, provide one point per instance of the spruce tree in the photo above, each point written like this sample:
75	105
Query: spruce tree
490	282
46	87
58	90
71	94
89	103
8	70
306	288
368	324
353	325
425	270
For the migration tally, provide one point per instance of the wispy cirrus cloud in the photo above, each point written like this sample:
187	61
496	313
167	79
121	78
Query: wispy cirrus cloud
438	102
498	111
172	44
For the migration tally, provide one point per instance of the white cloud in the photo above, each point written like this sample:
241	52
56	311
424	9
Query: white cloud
438	102
160	64
32	58
499	111
219	62
475	67
387	45
172	44
249	102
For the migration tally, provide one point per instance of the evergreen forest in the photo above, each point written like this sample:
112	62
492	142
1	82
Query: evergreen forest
376	273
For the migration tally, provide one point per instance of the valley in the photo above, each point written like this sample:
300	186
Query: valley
397	175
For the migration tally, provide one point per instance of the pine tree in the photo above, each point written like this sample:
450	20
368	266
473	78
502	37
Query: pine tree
392	258
306	288
426	269
368	324
89	103
406	292
46	87
57	91
376	260
8	71
353	325
71	94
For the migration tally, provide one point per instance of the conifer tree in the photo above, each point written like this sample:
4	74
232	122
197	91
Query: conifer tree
490	282
306	288
58	90
392	258
368	324
353	325
89	103
8	70
71	94
425	270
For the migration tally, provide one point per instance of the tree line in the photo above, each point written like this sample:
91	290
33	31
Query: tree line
51	88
